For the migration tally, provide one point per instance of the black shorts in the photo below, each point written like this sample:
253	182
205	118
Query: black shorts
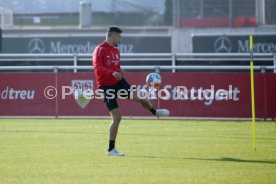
111	93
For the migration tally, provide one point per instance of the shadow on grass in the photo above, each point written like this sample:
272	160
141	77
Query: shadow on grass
221	159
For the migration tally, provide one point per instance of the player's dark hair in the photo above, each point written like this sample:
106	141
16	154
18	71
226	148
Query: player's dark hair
114	30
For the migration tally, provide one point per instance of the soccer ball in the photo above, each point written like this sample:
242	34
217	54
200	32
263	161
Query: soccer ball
153	80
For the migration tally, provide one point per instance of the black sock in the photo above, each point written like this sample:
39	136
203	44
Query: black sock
153	111
111	145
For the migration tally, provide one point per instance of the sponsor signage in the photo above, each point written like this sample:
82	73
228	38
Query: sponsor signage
233	44
21	95
83	44
184	94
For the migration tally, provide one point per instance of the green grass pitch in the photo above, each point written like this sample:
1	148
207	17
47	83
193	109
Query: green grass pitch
63	151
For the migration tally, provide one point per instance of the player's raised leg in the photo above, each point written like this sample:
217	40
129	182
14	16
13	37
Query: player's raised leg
147	105
113	131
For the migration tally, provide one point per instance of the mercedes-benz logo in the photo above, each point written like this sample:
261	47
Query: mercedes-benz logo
36	45
223	45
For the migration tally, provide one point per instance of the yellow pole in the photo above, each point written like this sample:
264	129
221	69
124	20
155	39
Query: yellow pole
252	93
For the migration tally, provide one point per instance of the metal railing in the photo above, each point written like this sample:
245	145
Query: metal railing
173	58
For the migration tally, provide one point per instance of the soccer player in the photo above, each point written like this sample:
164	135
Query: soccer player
110	78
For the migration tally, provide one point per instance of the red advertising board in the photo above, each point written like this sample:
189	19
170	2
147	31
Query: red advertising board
22	94
184	94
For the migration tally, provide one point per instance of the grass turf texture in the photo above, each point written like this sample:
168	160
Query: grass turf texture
64	151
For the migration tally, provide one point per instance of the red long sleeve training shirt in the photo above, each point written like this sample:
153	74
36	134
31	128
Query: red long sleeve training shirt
106	60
